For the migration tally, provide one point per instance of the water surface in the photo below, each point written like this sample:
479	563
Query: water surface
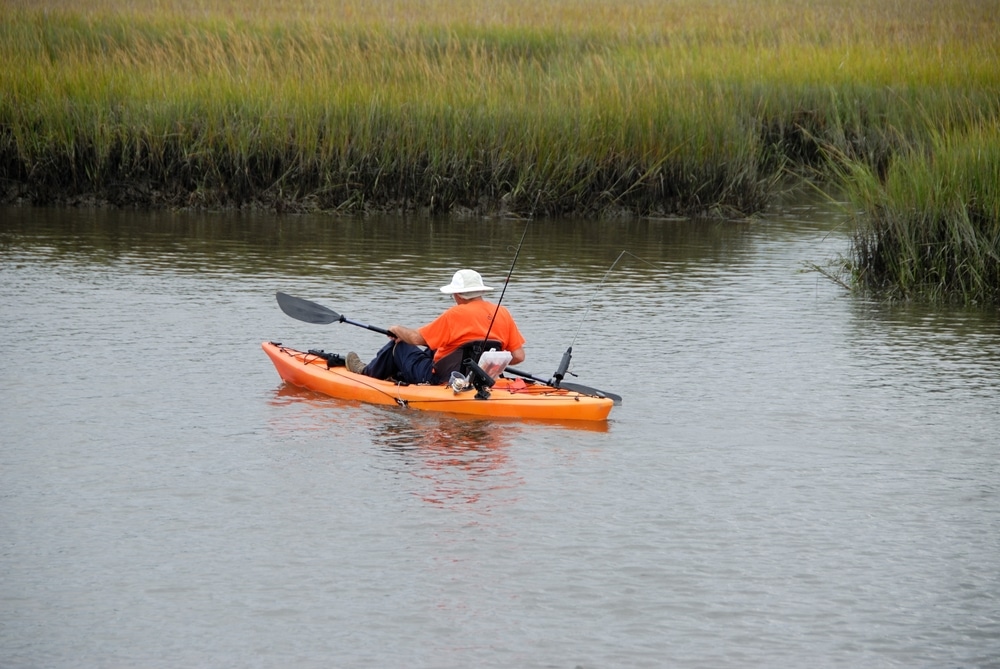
796	477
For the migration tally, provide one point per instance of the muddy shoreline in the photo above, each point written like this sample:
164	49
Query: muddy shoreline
143	195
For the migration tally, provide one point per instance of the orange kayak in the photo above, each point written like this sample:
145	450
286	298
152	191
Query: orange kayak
510	398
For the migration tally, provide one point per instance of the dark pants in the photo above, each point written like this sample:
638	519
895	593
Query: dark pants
404	362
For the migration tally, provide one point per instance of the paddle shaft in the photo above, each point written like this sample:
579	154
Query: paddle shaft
517	372
373	328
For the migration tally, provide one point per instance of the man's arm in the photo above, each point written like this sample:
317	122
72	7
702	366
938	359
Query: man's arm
409	335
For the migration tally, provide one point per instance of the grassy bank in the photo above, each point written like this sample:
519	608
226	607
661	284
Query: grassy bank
530	108
931	225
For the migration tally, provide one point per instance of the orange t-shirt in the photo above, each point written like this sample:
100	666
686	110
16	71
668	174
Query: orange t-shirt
467	322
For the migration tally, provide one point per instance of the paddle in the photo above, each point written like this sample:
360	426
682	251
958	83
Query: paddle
576	387
310	312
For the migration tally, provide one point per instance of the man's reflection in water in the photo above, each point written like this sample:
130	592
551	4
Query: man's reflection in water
462	461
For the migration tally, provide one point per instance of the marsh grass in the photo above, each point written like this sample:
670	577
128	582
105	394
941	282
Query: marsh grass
932	224
513	107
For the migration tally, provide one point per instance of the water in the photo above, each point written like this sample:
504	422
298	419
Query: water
796	477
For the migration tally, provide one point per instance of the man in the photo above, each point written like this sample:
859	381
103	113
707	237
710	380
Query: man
470	319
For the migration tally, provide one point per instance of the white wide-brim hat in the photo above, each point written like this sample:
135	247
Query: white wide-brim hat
465	281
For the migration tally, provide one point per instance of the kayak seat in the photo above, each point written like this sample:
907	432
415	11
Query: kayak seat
458	360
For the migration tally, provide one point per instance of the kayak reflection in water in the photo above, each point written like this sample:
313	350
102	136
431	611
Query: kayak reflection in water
471	319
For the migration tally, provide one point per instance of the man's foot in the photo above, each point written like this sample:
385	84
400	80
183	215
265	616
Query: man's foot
354	363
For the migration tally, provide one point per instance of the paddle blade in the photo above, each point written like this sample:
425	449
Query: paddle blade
594	392
306	311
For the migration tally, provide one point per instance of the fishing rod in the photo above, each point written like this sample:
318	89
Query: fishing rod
567	357
477	375
506	282
601	285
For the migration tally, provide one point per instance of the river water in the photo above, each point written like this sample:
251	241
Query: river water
797	476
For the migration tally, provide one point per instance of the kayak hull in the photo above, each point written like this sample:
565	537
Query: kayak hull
509	398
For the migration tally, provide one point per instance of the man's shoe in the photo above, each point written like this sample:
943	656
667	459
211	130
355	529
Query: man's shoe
354	363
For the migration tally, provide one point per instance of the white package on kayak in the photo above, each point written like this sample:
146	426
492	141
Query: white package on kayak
494	362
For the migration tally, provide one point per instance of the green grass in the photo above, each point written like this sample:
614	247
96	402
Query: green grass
932	224
530	108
